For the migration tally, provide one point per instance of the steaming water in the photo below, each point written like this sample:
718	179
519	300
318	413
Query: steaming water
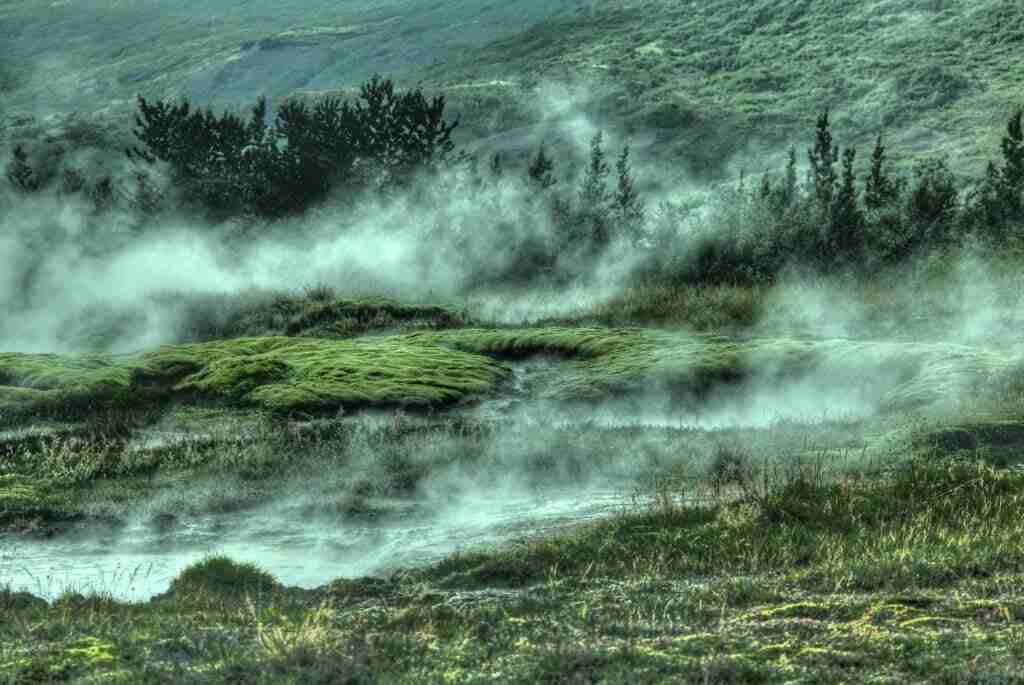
139	560
809	400
136	561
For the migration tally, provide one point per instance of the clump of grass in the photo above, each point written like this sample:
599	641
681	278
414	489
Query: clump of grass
696	307
321	292
218	577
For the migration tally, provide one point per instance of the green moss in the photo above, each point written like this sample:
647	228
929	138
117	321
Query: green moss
440	368
50	383
296	374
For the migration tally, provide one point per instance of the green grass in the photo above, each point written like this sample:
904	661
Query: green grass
439	368
908	575
875	550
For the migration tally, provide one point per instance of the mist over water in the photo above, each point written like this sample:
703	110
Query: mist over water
530	478
138	561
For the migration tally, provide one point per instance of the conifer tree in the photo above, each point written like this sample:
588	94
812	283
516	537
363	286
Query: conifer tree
626	203
539	171
496	169
879	189
847	221
822	159
1012	176
20	173
789	186
593	195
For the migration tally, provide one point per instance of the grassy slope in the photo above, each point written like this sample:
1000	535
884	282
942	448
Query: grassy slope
718	76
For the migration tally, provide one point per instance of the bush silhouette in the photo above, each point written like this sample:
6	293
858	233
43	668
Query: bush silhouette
20	173
227	166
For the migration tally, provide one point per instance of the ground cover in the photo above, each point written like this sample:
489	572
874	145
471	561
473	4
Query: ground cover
435	369
911	575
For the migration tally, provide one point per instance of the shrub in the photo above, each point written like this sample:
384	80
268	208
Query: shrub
20	173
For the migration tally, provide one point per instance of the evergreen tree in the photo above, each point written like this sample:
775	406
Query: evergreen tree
539	171
765	194
626	203
20	173
822	159
847	221
879	189
593	195
496	169
789	186
932	203
1012	176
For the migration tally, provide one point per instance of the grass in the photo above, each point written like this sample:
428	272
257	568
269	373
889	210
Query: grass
436	369
882	549
909	574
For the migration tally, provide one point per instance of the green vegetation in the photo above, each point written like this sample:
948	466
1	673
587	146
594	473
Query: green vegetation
434	370
803	571
227	168
882	548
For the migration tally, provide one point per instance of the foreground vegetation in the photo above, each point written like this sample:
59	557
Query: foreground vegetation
880	549
801	570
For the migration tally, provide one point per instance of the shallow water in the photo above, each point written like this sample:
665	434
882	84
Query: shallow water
139	560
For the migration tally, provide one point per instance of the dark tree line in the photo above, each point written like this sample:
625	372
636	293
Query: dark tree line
226	166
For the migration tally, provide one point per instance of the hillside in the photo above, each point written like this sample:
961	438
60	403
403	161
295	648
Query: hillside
700	88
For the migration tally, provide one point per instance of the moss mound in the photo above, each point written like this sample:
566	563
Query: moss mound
435	369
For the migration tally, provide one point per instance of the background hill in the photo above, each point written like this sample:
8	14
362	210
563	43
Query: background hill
700	88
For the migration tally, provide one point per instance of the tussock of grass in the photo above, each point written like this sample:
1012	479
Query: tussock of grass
309	374
218	577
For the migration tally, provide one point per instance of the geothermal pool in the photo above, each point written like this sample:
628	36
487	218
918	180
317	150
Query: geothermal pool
138	561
